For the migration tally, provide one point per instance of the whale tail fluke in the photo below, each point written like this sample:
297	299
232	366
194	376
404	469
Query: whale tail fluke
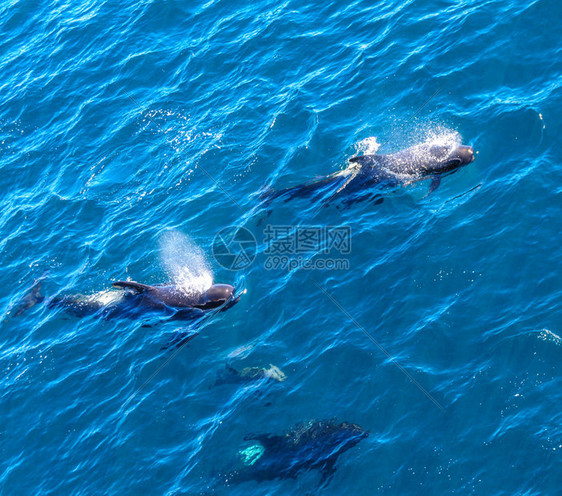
33	297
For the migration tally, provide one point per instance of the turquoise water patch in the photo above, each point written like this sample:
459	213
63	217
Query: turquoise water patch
251	454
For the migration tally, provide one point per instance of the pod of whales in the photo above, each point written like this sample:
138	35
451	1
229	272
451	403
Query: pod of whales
422	161
315	444
312	445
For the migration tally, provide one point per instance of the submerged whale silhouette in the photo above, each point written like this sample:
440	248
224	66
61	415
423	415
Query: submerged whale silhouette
312	445
426	160
247	375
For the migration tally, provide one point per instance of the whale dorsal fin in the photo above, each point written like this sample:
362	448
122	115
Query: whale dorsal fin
137	287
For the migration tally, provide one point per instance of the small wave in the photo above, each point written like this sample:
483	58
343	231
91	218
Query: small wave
549	336
442	136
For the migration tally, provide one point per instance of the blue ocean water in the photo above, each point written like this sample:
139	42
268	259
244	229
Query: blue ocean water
120	121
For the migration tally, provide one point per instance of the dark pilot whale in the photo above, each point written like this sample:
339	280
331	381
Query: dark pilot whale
422	161
135	300
312	445
132	299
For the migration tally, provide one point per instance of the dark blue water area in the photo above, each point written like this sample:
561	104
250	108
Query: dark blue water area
122	121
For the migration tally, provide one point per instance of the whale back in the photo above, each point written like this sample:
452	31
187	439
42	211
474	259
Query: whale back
169	295
419	160
175	296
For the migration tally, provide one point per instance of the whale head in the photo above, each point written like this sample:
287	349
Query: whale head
216	296
440	159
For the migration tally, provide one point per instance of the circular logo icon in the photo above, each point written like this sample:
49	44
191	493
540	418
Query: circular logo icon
234	248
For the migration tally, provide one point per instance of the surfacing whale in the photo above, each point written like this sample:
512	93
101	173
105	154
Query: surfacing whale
419	162
134	299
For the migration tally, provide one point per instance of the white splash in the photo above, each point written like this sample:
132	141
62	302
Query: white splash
368	146
434	135
442	136
185	262
105	298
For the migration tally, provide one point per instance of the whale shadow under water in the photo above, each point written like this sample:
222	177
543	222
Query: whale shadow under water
316	444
